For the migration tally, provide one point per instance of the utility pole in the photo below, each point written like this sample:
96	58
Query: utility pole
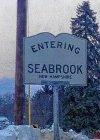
19	86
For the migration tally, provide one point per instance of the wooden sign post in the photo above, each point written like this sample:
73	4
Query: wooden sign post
56	112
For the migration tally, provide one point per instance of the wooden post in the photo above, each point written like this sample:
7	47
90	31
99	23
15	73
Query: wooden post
56	112
19	86
29	106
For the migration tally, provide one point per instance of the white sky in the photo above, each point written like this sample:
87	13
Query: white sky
44	16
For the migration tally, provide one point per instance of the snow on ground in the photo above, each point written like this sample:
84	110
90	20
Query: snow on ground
25	132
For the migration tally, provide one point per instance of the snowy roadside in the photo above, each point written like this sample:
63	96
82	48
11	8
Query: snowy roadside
25	132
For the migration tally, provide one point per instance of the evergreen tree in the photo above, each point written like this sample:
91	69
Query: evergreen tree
85	26
81	110
42	104
43	107
82	104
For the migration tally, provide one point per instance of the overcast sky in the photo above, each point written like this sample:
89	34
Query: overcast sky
44	16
